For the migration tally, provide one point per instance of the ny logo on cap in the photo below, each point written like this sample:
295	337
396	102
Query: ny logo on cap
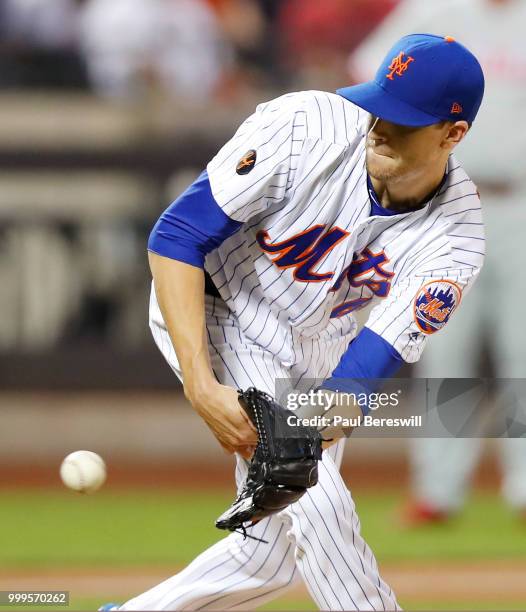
398	66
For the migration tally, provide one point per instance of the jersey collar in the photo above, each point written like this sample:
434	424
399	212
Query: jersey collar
377	210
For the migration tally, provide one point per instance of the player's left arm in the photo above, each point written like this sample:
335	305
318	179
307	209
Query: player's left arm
398	329
418	307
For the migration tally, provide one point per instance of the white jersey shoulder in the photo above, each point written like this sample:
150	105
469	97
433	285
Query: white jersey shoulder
311	252
460	208
258	166
438	268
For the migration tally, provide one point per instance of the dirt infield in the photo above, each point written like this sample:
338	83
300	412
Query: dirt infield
363	475
451	581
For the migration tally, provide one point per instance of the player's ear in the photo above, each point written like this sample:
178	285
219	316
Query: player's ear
455	133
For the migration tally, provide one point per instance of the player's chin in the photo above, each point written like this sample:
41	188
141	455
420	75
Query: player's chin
381	167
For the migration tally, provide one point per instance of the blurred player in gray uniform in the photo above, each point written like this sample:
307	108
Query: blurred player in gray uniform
494	29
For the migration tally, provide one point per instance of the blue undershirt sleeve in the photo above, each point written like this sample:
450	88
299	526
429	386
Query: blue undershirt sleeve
192	226
368	359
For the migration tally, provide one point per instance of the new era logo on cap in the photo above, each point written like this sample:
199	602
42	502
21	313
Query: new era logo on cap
424	79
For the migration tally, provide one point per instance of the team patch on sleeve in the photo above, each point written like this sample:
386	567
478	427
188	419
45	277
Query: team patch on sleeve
246	163
434	304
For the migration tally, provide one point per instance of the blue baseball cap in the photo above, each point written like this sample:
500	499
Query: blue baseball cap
424	79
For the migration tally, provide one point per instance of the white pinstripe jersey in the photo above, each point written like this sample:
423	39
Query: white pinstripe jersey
310	253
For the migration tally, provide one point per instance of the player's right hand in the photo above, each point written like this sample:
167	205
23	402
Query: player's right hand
220	409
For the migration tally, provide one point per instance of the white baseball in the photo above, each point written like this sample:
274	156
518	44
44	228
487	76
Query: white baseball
83	471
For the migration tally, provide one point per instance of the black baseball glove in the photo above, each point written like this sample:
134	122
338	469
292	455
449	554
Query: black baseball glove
283	467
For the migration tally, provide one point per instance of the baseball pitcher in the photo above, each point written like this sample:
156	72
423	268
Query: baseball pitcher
320	204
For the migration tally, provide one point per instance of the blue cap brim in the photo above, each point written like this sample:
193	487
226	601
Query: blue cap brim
377	101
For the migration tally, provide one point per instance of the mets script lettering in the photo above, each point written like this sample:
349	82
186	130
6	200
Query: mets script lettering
435	309
303	251
367	270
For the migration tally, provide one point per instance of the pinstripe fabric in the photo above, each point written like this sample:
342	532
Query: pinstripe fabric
317	539
310	172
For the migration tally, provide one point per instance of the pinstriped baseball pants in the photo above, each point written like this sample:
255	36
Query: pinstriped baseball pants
316	539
